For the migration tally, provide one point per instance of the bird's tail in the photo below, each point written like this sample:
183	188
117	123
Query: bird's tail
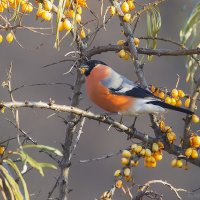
168	106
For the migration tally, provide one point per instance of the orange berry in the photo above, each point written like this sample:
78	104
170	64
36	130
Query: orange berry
131	5
136	41
60	26
39	12
153	88
188	152
178	103
125	7
9	37
147	152
112	10
117	173
118	184
120	42
179	163
173	101
162	95
69	13
174	93
138	149
122	53
173	163
194	154
181	93
82	34
195	118
155	147
78	18
48	5
127	172
124	161
67	4
196	141
1	38
127	17
171	136
27	7
168	100
2	149
67	25
187	102
126	154
79	10
46	15
127	55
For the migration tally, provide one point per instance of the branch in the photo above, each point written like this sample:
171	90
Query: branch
170	148
144	51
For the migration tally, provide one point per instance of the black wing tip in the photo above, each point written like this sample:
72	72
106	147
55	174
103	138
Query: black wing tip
171	107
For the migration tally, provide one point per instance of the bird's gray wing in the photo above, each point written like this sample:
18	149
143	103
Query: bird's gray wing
118	84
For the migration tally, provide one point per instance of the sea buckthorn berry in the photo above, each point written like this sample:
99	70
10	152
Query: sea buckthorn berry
127	172
126	154
147	152
179	163
161	145
60	26
127	55
168	129
162	95
158	155
174	93
121	42
188	152
173	163
117	173
27	7
1	38
155	147
128	178
194	154
46	15
133	146
67	25
112	10
79	10
67	4
131	5
153	88
132	162
138	149
9	37
196	141
69	13
173	101
39	12
125	7
162	125
127	17
195	118
153	164
136	41
78	18
171	136
2	149
122	53
124	161
82	34
136	163
168	100
118	184
181	93
48	5
142	152
187	102
179	103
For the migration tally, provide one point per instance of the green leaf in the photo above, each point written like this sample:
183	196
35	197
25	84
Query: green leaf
153	26
13	185
14	166
33	163
190	26
44	147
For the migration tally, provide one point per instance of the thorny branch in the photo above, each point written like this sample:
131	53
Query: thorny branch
170	148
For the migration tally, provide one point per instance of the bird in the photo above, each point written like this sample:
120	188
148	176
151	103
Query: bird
115	93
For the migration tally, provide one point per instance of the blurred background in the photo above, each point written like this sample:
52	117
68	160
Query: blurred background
90	180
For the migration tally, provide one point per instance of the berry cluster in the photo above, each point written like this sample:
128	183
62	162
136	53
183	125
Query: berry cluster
130	158
126	8
124	53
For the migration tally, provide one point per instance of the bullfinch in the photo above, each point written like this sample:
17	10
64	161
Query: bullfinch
116	94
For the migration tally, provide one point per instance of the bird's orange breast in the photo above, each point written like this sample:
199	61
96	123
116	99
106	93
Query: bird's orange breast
101	95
